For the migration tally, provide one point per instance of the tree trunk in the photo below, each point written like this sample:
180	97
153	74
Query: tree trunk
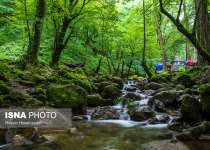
161	41
202	27
59	42
187	27
129	67
31	56
122	70
99	65
56	56
191	36
144	65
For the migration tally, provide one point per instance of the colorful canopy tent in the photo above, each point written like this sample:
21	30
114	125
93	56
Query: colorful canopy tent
159	67
177	64
189	63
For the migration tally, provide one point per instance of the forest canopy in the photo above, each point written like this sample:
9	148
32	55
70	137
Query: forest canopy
107	36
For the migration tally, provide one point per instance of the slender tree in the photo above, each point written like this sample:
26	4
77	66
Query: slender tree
160	36
144	65
31	56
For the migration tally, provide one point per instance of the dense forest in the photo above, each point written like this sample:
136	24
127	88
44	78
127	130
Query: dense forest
107	36
111	64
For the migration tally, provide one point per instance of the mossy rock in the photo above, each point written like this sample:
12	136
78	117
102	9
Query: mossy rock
4	67
101	85
204	90
80	71
27	83
19	96
191	91
4	89
190	109
102	78
67	96
110	91
76	74
206	106
133	77
53	78
3	76
180	87
38	91
41	97
119	81
84	84
37	78
153	86
39	103
63	81
185	80
18	73
61	72
93	100
192	133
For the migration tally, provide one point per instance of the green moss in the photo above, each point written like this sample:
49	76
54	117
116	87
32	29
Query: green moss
85	84
189	103
40	103
184	79
41	97
63	80
61	72
119	81
196	131
206	104
101	85
93	100
204	90
111	91
37	78
38	90
133	77
4	67
4	89
53	78
18	96
154	78
66	96
18	73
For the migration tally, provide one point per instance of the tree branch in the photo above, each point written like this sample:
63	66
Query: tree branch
180	7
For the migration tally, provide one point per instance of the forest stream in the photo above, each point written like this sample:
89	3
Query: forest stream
122	134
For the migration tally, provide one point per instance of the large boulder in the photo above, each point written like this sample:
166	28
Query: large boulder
67	96
141	113
111	92
153	86
185	80
159	79
167	97
119	81
104	113
190	109
204	92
